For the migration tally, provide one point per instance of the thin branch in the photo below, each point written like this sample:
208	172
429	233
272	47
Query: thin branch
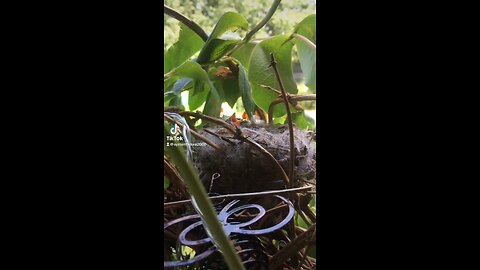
209	118
264	21
304	257
293	99
305	40
195	134
185	20
174	176
270	88
257	27
243	195
291	248
291	172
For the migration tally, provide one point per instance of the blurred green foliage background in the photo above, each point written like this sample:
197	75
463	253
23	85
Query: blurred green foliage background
207	12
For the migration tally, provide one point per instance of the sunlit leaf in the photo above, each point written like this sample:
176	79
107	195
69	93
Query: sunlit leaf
303	121
243	54
215	47
307	55
187	45
261	73
246	92
194	71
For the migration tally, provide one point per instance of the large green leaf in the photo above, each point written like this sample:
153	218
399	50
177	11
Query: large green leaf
243	54
198	96
194	71
231	90
211	108
215	47
187	45
261	73
246	92
306	54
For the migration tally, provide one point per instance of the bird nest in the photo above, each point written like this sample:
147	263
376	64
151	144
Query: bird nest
255	160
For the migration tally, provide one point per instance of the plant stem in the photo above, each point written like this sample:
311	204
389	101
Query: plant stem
201	198
291	99
291	172
291	164
264	21
257	27
305	40
185	20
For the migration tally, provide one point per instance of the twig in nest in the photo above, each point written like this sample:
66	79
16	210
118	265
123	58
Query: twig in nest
262	150
304	258
218	136
174	176
292	248
236	131
253	194
195	134
208	118
291	167
310	182
300	212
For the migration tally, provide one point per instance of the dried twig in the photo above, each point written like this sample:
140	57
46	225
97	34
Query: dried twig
243	195
174	176
236	131
291	171
292	248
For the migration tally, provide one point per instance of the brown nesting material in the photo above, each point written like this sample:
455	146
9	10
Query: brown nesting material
244	169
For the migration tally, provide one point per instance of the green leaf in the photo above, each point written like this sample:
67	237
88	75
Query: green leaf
187	45
210	106
243	54
198	96
301	223
246	92
280	120
303	121
180	85
306	54
231	90
260	72
194	71
215	47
